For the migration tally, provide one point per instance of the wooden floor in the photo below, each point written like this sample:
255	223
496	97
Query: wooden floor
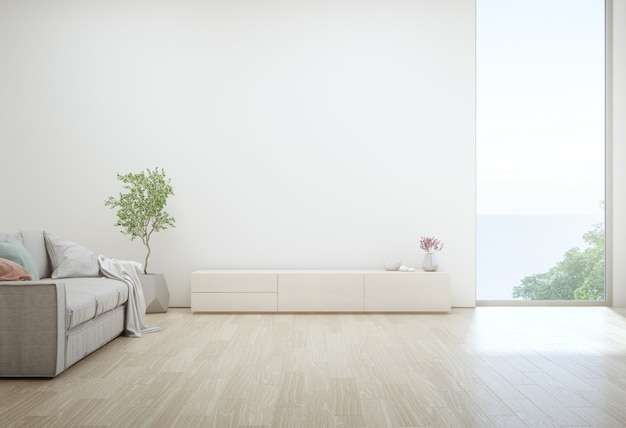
484	367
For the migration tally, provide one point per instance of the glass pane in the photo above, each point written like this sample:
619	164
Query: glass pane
540	149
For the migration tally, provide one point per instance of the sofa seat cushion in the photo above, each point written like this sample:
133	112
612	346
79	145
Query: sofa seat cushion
88	298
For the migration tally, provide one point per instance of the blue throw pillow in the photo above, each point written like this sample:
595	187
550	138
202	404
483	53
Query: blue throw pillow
13	250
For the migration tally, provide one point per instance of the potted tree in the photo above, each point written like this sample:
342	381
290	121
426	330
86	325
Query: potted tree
140	213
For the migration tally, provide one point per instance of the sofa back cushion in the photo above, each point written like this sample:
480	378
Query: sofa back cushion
33	240
70	260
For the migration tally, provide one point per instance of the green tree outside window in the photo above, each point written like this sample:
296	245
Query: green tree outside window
579	276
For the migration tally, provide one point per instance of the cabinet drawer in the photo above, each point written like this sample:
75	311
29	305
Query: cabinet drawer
242	282
233	302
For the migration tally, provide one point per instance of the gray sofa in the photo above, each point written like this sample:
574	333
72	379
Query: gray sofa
49	324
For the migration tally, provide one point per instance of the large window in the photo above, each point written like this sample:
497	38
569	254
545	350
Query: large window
540	149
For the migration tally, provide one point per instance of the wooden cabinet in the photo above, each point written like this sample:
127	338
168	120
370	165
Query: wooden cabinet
319	291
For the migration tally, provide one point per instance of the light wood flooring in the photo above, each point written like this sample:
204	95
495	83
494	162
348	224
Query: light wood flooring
483	367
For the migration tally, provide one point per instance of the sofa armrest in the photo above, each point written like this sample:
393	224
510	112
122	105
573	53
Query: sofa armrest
32	328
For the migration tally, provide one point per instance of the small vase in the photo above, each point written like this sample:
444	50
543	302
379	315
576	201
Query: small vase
430	262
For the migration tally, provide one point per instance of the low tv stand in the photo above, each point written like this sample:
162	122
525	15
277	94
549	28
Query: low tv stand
319	291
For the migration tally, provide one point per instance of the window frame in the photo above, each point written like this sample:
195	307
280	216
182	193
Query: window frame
608	187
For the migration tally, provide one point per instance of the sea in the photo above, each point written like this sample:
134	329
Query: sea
511	247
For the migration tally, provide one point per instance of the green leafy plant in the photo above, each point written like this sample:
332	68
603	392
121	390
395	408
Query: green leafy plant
141	209
579	276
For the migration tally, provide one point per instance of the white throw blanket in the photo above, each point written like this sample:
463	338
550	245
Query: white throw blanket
127	271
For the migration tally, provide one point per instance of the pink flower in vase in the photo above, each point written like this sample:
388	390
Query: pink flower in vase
430	244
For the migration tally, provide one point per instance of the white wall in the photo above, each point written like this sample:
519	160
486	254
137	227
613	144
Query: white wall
619	152
298	134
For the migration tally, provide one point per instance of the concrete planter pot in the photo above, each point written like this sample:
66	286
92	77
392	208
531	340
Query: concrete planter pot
155	292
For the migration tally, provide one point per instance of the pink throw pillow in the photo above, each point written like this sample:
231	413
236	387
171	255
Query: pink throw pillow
11	271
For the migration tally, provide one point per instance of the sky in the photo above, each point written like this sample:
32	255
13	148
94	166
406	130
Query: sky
540	106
